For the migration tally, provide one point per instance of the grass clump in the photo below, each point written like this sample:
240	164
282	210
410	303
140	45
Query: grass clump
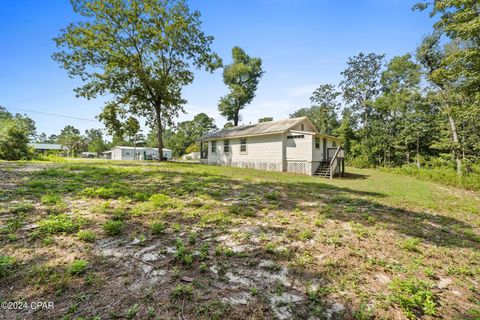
113	227
413	296
158	228
61	223
111	191
411	244
162	201
183	254
51	199
87	235
305	235
78	267
182	291
6	265
240	210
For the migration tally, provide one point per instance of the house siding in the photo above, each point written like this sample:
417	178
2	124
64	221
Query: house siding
263	152
273	152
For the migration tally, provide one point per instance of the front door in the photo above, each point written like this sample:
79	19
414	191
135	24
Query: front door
324	149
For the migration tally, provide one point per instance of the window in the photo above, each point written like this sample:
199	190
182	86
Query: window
127	153
300	136
214	146
302	127
334	144
243	144
226	146
317	143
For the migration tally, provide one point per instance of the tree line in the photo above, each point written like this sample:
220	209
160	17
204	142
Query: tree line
421	109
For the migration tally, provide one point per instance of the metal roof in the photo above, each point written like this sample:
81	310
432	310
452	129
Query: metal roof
254	129
139	148
47	146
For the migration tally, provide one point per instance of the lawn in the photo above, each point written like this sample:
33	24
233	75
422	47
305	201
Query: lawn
118	240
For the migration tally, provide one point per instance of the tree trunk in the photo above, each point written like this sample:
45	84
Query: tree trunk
418	152
235	119
458	160
159	132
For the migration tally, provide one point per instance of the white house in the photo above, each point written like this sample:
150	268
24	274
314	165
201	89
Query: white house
136	153
292	145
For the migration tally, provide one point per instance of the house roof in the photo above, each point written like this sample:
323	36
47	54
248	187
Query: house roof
47	146
257	129
138	148
254	129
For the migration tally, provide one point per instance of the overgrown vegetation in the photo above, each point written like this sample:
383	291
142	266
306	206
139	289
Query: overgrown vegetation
361	247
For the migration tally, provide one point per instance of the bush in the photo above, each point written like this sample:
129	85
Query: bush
78	267
86	235
413	296
113	227
13	140
58	224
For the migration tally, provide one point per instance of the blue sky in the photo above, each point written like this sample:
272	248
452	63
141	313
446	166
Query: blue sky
303	43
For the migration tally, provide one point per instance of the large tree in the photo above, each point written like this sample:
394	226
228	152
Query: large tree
241	77
187	132
71	138
140	53
323	110
361	83
95	141
460	21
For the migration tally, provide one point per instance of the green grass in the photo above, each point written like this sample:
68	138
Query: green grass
6	265
61	223
187	234
78	267
113	227
87	235
413	296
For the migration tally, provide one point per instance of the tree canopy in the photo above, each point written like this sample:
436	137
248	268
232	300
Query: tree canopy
141	53
241	77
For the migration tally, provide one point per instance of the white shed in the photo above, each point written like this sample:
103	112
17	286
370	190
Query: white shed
136	153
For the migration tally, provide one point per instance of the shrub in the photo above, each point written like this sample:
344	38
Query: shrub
58	224
78	267
413	296
113	227
6	264
86	235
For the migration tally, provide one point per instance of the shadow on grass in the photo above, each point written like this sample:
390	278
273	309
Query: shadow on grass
287	192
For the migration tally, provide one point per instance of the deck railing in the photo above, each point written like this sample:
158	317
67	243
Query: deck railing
204	154
337	156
